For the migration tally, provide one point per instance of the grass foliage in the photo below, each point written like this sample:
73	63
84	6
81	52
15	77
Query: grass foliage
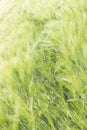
43	65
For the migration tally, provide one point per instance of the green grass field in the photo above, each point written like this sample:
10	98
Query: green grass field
43	64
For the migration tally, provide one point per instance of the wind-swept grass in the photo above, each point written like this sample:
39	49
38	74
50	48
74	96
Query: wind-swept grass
43	65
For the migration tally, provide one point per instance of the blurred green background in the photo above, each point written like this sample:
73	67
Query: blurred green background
43	65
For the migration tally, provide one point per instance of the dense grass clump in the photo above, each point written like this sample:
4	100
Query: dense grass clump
43	65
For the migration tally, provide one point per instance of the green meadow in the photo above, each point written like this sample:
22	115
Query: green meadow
43	64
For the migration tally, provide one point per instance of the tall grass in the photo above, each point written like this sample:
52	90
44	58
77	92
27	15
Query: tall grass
43	65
